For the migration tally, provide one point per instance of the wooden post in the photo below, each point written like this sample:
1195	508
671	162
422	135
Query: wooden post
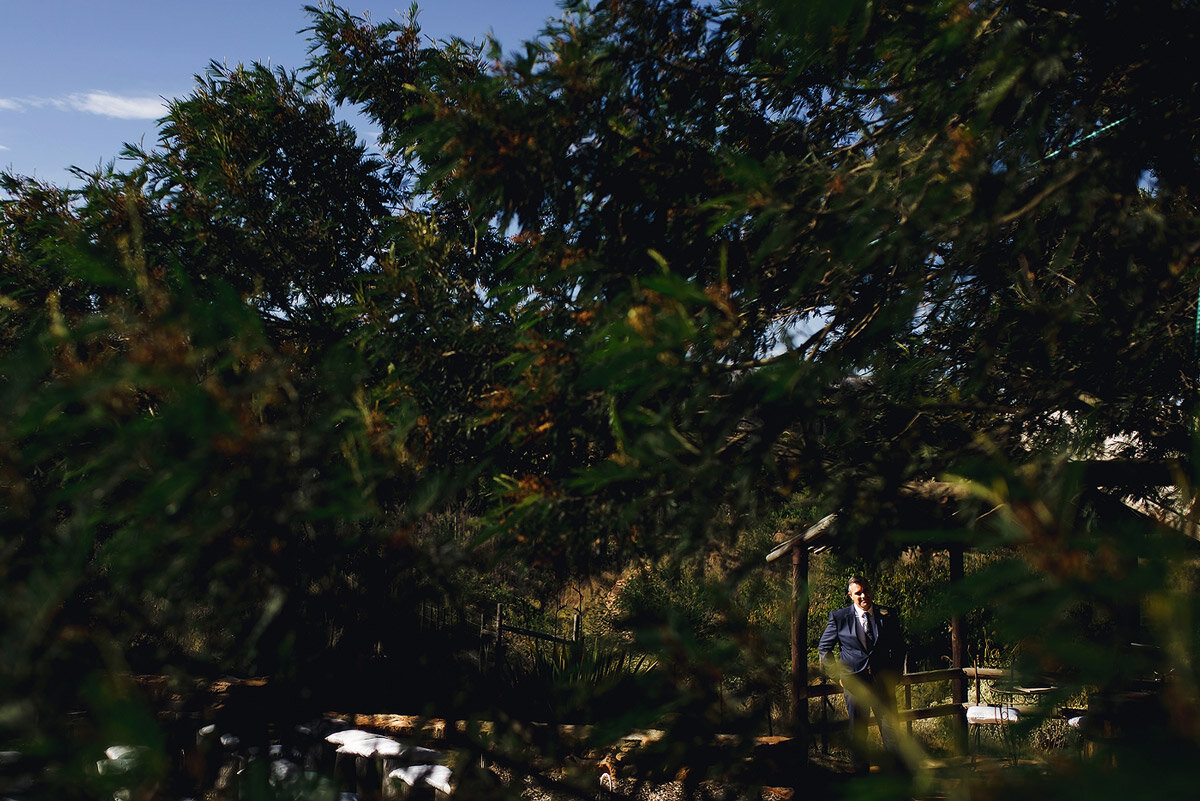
497	634
907	697
958	652
576	628
800	648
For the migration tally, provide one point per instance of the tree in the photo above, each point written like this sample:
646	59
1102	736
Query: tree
764	248
619	298
181	488
253	184
712	182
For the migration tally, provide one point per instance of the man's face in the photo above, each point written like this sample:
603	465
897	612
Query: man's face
860	596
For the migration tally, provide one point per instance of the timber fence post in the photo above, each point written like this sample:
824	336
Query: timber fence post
497	635
958	649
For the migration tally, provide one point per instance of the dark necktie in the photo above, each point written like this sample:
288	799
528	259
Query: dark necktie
868	630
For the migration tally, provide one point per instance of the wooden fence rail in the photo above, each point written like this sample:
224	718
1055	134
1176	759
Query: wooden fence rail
492	632
501	628
957	710
493	636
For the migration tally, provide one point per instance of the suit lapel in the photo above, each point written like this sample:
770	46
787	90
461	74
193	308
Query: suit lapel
882	626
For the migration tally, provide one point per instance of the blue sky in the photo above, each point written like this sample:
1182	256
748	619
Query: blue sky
78	78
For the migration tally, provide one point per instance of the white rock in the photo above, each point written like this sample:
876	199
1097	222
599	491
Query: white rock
122	752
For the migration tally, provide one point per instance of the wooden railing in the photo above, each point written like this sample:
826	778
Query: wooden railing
907	681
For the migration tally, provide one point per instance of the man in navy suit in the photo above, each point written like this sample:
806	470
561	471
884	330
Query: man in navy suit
870	645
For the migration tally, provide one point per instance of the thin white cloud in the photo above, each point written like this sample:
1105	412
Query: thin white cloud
125	108
24	103
105	104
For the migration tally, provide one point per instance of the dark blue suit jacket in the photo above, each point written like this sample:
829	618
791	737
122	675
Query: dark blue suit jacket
842	631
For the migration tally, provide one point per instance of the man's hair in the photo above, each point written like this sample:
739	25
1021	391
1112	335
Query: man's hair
859	580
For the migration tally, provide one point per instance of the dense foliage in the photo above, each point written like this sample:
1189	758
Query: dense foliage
671	278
